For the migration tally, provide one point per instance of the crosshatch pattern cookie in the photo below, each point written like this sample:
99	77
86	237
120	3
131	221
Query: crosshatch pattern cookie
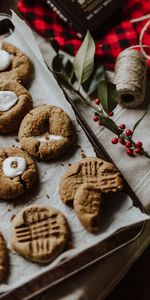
18	172
14	65
15	103
46	132
39	233
3	258
87	205
90	170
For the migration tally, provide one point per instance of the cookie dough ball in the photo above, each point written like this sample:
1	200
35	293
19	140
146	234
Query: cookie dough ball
46	132
15	103
3	258
91	170
14	64
18	173
39	233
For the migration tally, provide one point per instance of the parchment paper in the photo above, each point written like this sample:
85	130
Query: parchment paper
120	210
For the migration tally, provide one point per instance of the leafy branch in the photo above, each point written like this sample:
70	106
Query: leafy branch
88	80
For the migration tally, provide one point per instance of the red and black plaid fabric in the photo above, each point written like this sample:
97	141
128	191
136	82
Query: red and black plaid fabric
111	38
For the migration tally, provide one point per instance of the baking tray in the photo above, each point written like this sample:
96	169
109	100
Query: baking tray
70	266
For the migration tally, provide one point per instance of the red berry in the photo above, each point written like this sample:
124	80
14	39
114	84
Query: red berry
137	150
139	144
122	126
128	132
97	101
111	114
121	141
130	152
114	140
95	118
100	123
128	144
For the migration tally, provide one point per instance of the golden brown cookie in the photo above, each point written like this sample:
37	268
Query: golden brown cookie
18	172
3	258
90	170
87	205
18	68
46	132
15	103
39	233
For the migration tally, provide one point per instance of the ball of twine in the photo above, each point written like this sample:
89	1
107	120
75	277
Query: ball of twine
130	78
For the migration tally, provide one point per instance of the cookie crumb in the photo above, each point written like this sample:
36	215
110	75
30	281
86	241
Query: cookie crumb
69	165
78	146
12	217
62	165
17	140
82	154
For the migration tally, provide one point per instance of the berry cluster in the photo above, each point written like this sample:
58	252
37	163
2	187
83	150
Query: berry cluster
125	138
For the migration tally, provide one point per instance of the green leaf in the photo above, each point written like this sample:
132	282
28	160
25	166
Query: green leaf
90	85
110	125
137	123
62	64
103	94
107	94
62	68
84	60
112	96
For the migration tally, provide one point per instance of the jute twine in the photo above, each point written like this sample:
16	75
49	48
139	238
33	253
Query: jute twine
130	71
130	78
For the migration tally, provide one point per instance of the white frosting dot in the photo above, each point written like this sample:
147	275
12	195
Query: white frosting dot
48	137
14	166
7	100
5	60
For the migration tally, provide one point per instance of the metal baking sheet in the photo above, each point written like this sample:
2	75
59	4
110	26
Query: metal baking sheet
27	278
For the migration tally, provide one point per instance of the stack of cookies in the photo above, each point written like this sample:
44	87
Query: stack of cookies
84	185
40	233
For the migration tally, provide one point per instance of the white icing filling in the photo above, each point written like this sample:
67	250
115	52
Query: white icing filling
14	166
7	100
48	137
5	60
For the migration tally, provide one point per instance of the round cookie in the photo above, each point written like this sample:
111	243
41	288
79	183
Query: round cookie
46	132
91	170
87	205
3	258
18	172
15	103
39	233
15	65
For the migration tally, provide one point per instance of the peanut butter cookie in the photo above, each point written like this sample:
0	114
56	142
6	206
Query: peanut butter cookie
15	103
39	233
3	258
14	64
90	170
18	172
46	132
87	205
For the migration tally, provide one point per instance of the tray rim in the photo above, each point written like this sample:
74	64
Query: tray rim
57	274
